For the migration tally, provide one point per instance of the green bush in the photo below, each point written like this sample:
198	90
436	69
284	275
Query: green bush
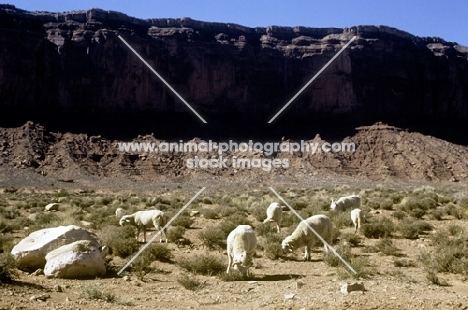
382	228
183	221
121	240
399	215
386	247
189	282
210	214
204	264
175	233
352	239
94	292
213	237
272	247
8	267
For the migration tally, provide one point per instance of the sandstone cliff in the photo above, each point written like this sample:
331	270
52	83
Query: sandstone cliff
57	67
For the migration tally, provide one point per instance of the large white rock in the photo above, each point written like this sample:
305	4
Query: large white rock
80	259
31	251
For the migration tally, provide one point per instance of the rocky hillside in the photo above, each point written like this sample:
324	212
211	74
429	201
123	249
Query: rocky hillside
382	153
70	71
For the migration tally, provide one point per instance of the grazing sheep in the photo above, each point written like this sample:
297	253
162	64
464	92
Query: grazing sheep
144	219
347	202
119	213
358	218
241	244
274	211
303	236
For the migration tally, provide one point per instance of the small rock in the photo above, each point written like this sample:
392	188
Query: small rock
36	273
289	296
351	287
126	278
58	288
194	212
299	284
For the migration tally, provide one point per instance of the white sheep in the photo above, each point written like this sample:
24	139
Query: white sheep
143	219
358	218
241	244
274	213
347	202
119	213
303	236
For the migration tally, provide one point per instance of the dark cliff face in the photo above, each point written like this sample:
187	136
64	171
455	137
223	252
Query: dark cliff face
71	71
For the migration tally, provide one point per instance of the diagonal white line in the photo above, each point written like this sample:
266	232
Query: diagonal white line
311	80
162	229
313	230
161	78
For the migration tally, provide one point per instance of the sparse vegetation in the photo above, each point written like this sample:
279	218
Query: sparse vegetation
382	228
204	264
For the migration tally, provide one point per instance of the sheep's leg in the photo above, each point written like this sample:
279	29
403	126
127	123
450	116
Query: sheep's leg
229	263
307	252
144	234
138	233
278	228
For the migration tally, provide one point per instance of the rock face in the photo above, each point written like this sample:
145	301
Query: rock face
58	65
31	252
80	259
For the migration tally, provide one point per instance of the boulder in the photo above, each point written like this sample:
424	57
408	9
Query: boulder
80	259
30	252
52	207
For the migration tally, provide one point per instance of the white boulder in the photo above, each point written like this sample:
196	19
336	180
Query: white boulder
30	252
80	259
52	207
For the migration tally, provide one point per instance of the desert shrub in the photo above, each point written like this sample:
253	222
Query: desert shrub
289	220
175	233
210	214
386	247
454	211
352	239
265	229
463	203
359	264
155	252
8	267
227	211
189	282
382	228
183	220
411	228
344	250
404	263
298	204
120	239
399	215
436	214
373	204
213	237
417	213
94	292
6	243
205	264
455	230
386	204
340	219
44	220
272	247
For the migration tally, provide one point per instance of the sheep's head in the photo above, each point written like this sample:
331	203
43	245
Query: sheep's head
333	205
286	245
125	220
